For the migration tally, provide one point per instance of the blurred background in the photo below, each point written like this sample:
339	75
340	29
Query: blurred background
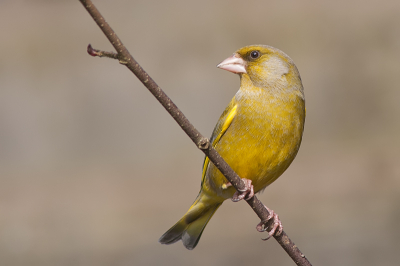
93	170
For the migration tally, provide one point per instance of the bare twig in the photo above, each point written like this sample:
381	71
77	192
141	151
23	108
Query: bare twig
201	142
94	52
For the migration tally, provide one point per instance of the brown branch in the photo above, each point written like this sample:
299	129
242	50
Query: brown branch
94	52
201	142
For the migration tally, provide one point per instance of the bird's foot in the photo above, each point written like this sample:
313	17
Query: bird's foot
262	226
247	193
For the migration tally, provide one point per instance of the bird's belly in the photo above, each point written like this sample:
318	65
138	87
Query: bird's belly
260	151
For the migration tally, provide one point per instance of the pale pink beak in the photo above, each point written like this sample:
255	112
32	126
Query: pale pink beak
234	64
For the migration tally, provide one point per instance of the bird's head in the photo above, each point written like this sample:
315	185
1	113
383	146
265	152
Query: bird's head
263	65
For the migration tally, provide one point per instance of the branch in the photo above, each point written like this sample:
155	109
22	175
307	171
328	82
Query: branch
201	142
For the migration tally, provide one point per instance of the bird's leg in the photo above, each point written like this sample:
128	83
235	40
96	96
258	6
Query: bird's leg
262	226
247	193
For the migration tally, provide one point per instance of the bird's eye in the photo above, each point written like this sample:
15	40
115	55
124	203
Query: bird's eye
255	54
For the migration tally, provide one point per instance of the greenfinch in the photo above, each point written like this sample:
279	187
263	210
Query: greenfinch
258	135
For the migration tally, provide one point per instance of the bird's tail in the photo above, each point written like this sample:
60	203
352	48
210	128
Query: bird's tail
190	227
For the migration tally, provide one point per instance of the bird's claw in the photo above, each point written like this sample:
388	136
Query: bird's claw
247	193
277	227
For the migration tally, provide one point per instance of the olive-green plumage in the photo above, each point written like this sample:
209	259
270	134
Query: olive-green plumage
258	134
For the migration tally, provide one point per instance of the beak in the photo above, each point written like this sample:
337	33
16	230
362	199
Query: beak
234	64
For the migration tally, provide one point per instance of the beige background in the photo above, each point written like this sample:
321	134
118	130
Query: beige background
93	170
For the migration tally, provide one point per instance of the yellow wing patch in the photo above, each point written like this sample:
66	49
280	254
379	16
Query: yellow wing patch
228	121
226	125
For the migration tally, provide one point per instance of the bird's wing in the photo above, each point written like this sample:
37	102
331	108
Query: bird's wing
223	124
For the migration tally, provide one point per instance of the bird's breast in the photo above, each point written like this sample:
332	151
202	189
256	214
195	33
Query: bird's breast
262	140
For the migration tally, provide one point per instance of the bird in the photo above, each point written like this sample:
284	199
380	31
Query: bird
258	135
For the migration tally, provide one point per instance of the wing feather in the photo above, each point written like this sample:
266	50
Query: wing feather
222	126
